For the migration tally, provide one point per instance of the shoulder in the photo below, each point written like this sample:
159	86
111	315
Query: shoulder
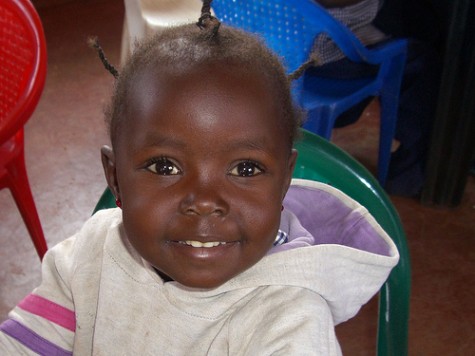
81	252
284	320
64	303
89	240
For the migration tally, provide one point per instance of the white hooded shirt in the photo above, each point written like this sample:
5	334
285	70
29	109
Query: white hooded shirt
99	297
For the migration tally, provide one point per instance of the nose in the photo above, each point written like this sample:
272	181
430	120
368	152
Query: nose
204	200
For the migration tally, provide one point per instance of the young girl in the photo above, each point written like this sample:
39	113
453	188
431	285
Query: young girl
203	255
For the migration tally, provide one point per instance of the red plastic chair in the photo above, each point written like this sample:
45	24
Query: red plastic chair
22	78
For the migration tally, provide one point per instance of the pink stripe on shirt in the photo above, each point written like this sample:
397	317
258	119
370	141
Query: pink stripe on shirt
49	310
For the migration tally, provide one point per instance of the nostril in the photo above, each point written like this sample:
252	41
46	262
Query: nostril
203	206
204	210
218	211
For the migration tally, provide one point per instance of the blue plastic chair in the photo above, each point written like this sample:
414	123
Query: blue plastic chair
289	27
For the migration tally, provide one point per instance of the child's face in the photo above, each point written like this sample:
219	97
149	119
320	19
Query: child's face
201	166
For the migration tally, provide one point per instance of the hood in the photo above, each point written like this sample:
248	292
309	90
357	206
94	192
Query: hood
316	213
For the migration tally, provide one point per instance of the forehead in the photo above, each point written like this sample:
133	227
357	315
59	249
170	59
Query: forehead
151	84
220	91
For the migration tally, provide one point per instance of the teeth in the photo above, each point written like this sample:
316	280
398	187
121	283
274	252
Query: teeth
203	244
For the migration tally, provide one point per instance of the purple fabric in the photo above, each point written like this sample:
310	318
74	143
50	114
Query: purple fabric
31	339
329	221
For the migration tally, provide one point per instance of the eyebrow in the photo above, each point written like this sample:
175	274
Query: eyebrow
244	143
153	141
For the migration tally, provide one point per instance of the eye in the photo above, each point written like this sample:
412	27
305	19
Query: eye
163	166
246	169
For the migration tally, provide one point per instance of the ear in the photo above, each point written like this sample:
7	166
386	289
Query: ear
110	170
292	161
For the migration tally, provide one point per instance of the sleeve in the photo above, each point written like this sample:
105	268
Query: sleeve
285	321
44	322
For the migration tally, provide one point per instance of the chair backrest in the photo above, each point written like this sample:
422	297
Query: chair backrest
322	161
22	64
145	17
289	27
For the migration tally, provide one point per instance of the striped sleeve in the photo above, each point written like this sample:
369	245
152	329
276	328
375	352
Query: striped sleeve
44	323
39	326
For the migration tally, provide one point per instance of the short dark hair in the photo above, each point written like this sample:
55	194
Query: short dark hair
183	47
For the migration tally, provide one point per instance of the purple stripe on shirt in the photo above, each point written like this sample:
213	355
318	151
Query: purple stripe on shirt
50	311
32	340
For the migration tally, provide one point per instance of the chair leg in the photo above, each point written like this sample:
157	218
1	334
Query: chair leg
320	121
386	135
389	100
21	192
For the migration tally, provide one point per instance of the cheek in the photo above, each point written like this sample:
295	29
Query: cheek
262	221
261	207
143	200
145	217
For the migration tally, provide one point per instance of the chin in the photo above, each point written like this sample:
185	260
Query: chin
202	283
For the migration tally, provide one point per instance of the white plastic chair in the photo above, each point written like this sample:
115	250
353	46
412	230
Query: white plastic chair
144	17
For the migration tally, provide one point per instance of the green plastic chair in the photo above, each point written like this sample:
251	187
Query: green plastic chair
322	161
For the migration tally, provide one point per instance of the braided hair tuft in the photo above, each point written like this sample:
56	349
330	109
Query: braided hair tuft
94	43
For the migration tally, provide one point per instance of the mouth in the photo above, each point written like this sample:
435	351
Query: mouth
199	244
